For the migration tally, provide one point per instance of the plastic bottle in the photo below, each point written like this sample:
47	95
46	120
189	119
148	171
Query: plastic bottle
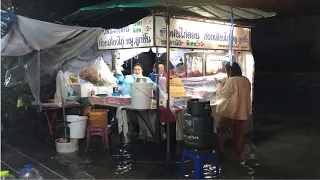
92	92
6	175
29	173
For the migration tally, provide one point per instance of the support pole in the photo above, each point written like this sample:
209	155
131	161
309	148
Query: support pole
231	38
157	94
64	118
64	112
168	85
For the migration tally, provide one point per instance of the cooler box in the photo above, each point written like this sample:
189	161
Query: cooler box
99	117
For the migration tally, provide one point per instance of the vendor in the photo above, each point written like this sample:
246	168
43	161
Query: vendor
137	72
153	75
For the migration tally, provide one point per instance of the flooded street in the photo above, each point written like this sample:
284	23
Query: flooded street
278	150
244	60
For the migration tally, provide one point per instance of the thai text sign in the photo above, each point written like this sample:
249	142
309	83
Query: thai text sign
201	35
139	34
183	34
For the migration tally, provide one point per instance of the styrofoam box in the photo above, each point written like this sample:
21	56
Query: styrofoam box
104	90
83	90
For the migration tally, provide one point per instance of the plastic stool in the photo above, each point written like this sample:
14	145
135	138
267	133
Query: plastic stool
98	131
198	160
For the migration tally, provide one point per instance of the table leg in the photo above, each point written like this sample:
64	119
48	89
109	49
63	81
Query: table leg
49	124
157	130
54	115
147	124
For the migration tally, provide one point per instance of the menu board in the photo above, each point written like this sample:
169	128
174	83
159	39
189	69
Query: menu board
214	63
194	64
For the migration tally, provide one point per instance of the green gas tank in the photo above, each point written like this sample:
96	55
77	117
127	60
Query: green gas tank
198	126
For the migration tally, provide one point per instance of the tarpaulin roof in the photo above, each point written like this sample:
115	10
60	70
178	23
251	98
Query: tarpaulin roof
197	8
28	34
43	48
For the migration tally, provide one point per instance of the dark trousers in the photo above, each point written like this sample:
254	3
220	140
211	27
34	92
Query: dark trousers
223	126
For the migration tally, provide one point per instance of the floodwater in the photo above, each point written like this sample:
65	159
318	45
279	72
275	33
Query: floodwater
278	150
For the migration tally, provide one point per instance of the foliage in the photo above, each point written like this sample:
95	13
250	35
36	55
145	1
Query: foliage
10	95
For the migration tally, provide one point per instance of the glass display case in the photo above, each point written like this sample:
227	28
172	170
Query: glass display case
203	88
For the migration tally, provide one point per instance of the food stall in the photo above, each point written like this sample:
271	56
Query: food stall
202	46
186	34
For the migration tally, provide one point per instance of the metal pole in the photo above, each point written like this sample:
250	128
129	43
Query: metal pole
168	85
157	93
63	111
131	65
64	118
157	125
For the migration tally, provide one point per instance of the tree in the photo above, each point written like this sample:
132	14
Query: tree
11	95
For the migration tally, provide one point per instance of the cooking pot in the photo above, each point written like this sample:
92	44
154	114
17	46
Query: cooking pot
141	80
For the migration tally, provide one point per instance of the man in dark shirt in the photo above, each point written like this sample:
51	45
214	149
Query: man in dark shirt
153	75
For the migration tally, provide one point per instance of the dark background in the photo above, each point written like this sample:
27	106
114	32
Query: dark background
287	61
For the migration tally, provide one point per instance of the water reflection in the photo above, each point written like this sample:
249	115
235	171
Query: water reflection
132	158
209	171
250	159
123	158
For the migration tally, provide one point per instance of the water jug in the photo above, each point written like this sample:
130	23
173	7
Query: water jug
28	172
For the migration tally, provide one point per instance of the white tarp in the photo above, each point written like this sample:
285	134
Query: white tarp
45	48
28	34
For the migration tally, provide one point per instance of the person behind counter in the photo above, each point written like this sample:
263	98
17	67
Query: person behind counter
153	75
235	107
128	79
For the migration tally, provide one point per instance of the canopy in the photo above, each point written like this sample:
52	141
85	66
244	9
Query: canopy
28	34
44	48
195	8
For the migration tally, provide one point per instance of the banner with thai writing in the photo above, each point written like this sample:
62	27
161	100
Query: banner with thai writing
139	34
200	35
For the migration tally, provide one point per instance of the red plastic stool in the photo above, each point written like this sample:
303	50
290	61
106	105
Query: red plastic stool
98	131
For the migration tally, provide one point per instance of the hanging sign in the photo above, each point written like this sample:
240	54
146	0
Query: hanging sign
200	35
139	34
183	34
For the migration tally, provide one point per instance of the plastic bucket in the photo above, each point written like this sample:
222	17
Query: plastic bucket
99	117
141	95
77	125
62	146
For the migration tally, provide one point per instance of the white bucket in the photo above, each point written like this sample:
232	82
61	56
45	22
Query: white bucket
62	146
141	95
77	125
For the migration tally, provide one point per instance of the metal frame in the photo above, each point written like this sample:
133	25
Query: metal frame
167	17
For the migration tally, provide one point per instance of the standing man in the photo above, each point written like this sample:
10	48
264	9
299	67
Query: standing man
153	75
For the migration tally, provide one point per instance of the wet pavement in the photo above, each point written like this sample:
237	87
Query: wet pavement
280	149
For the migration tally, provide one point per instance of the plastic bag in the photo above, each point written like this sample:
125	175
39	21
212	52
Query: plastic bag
62	86
98	74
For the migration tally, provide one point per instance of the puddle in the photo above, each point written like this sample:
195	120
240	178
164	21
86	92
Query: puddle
132	158
124	161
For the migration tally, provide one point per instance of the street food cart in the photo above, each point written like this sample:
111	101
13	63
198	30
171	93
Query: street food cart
202	45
